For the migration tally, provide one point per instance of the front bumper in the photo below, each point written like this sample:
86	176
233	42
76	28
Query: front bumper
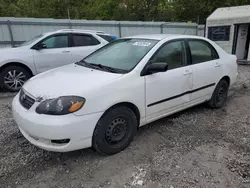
40	130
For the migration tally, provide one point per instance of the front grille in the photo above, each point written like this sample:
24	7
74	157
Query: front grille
25	100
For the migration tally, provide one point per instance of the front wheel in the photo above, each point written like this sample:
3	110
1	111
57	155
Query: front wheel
115	130
220	95
13	78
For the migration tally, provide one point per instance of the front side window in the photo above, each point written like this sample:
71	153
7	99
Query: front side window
60	41
123	54
201	51
173	53
84	40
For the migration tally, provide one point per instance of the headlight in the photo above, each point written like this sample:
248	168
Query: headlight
60	106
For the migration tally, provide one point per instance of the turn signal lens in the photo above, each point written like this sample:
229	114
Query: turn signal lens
75	106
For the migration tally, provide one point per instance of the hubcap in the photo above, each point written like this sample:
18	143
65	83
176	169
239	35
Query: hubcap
14	79
116	131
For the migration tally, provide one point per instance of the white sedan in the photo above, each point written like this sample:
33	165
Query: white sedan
101	100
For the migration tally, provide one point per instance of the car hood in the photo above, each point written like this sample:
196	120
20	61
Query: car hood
10	49
67	80
9	52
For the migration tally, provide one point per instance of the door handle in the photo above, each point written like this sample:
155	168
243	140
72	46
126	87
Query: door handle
217	64
187	72
65	51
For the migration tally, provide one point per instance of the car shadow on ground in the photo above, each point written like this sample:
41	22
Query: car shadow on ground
6	94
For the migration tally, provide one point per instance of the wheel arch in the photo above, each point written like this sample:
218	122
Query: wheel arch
17	64
129	105
227	78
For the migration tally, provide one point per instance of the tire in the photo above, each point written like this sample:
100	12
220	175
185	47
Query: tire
114	131
10	76
219	95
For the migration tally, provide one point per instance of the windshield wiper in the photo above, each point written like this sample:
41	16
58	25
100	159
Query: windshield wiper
84	63
99	67
103	67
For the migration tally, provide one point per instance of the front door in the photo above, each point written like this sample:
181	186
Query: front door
56	52
167	92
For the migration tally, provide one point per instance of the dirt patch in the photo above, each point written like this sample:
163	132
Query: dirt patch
195	148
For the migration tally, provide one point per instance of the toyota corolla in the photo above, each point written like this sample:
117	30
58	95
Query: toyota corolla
101	100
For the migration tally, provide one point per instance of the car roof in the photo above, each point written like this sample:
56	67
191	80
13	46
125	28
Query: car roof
80	31
163	36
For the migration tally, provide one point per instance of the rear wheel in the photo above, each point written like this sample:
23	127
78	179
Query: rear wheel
220	95
13	77
115	130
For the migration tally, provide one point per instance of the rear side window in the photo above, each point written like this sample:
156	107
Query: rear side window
201	51
84	40
107	37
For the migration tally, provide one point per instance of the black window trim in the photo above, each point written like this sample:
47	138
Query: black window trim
143	72
84	34
205	42
53	35
211	27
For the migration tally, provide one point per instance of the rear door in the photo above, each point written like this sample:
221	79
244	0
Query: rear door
83	45
207	69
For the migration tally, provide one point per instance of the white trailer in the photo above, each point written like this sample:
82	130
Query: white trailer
229	27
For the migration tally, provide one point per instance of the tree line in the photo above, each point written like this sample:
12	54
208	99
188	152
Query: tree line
131	10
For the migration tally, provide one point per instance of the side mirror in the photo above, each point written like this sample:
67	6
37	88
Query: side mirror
156	67
40	46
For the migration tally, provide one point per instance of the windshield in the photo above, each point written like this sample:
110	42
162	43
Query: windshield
123	54
32	40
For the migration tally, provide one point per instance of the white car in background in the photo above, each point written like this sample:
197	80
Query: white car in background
102	100
45	52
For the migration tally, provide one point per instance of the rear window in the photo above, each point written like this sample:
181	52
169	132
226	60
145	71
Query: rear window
107	37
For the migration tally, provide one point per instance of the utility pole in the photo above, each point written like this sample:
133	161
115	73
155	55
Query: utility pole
68	9
198	19
70	26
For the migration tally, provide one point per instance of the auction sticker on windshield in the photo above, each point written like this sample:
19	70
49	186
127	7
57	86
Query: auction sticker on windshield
142	44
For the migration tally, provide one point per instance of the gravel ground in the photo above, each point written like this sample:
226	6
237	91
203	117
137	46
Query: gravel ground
199	147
